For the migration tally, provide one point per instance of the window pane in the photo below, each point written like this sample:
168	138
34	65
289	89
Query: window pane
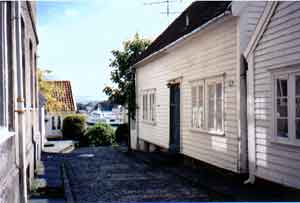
211	106
282	127
146	106
281	87
200	108
219	106
298	107
150	106
153	107
219	90
298	129
194	107
282	107
194	89
219	115
298	85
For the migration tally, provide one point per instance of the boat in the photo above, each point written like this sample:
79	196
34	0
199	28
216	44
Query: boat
113	117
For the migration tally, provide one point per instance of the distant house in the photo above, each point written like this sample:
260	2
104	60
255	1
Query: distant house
19	121
54	120
273	57
191	85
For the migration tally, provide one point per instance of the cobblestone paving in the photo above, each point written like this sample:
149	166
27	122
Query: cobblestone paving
107	175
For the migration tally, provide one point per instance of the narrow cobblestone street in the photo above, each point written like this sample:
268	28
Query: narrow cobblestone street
111	174
107	175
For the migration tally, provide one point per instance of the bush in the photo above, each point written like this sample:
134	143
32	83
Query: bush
98	135
122	133
73	127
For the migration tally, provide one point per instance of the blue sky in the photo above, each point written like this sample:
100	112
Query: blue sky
76	37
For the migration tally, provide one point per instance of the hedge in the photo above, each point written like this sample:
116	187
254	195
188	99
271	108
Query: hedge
100	134
73	127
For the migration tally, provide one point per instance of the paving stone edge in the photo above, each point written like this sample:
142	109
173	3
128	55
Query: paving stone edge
67	188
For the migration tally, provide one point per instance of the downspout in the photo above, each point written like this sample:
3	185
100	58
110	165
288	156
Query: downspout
251	121
20	103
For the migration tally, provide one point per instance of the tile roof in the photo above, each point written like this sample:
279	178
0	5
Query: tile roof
62	91
196	15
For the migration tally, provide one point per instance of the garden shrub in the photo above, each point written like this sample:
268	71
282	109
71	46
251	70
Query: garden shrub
73	127
122	133
100	134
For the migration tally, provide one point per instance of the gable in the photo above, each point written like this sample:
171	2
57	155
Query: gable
260	28
280	42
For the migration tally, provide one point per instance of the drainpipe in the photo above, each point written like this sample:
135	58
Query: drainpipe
20	109
251	121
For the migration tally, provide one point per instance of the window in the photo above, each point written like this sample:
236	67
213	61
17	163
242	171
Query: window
145	107
152	106
58	123
207	105
4	102
215	106
31	75
53	123
35	81
23	61
11	107
198	105
286	105
149	102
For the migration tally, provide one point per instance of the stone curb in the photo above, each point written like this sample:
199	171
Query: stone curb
67	188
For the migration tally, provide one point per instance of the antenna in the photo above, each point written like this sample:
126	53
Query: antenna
167	2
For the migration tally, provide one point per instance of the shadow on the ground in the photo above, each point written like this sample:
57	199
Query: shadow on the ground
217	181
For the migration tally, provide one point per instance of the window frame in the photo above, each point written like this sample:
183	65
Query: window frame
3	73
215	81
197	85
290	73
149	106
205	82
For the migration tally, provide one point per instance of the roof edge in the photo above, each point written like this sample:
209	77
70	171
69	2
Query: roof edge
226	13
261	27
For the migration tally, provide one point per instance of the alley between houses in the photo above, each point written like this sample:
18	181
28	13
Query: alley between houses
112	174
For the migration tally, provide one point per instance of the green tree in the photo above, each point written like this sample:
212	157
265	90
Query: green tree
46	89
124	91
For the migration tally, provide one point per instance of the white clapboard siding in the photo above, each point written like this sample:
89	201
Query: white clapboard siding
210	52
280	44
249	13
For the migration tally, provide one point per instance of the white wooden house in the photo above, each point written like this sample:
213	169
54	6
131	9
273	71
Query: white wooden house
273	56
191	85
62	92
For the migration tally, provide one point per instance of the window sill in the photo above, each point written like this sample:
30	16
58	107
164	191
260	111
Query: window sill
207	132
5	135
284	141
149	122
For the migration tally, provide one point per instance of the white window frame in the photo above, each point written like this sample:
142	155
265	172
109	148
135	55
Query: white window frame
197	85
215	81
290	73
3	73
152	102
205	82
149	106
